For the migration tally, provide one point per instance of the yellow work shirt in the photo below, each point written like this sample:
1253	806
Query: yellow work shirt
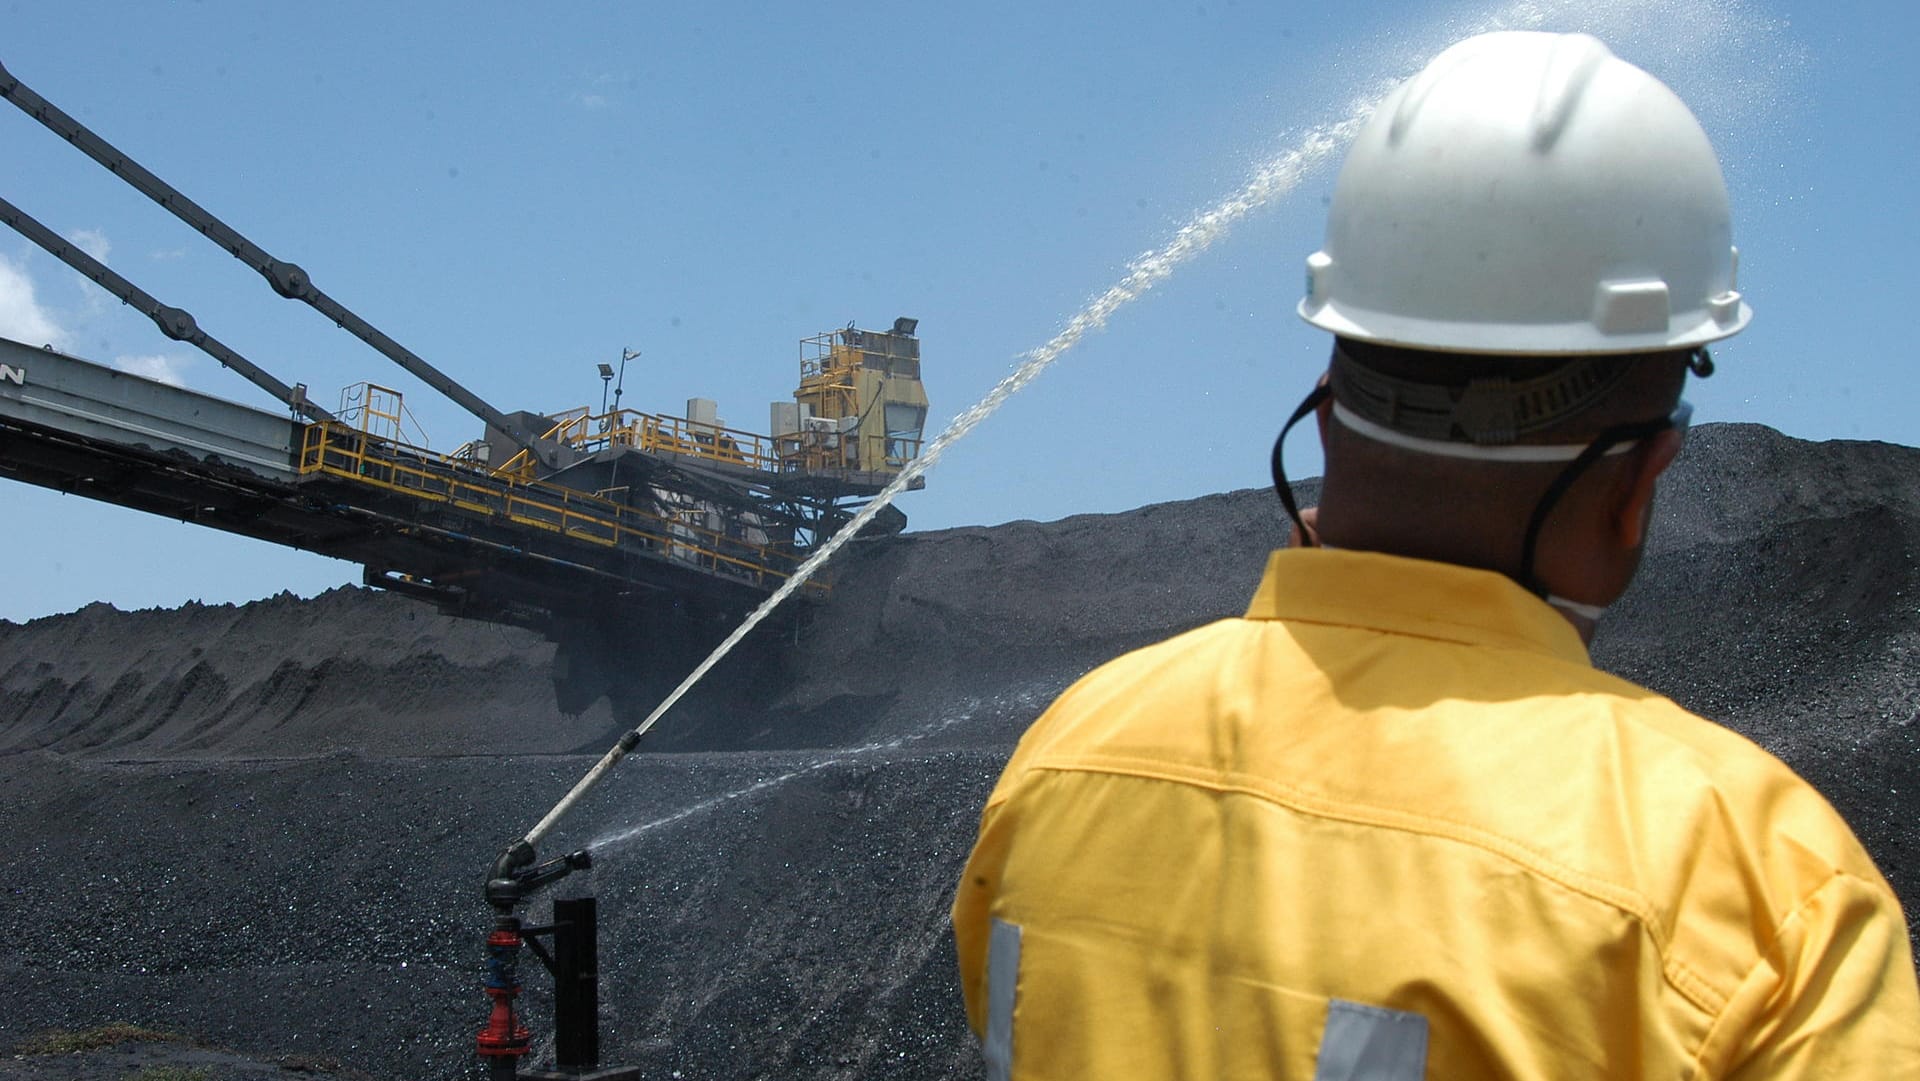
1395	821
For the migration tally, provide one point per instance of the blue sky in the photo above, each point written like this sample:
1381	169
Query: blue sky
518	195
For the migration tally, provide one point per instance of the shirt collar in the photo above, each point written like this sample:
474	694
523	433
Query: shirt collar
1416	597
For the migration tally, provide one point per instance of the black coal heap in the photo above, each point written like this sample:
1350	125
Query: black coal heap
266	825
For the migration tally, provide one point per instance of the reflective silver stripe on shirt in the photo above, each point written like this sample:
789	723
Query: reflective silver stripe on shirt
1368	1043
1003	972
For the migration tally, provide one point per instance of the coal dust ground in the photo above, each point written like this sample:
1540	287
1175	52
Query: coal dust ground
265	826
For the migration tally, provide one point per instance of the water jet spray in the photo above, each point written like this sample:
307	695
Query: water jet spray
514	872
1278	177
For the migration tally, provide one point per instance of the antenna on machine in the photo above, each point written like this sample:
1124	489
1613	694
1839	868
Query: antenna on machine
625	355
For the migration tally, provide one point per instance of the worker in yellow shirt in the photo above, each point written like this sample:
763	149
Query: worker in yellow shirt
1392	824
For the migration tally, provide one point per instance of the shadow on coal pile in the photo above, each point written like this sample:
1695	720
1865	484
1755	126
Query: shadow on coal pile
265	825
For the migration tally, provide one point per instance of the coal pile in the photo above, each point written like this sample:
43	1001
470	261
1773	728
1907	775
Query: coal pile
266	825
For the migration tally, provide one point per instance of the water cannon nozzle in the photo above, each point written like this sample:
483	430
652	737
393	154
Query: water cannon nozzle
515	876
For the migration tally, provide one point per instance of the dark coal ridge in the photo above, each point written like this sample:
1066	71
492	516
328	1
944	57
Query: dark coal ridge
800	923
264	824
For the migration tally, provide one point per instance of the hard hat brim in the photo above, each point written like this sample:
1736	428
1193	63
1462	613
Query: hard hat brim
1686	331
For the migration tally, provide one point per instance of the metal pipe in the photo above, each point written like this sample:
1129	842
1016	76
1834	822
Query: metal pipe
287	279
174	322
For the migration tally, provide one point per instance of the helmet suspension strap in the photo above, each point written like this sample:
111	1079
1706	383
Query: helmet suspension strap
1280	485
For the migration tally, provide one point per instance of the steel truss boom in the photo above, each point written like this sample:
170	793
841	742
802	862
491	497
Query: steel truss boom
173	322
287	279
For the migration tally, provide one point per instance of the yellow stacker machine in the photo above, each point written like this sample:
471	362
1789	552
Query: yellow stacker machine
619	534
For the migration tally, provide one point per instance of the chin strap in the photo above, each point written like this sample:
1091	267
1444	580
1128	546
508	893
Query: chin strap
1618	436
1613	440
1307	405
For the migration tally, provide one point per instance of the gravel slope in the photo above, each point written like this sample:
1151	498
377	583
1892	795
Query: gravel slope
264	825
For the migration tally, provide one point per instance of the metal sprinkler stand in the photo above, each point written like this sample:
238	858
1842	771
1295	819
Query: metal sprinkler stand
574	964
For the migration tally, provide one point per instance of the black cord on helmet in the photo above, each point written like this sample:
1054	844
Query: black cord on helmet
1699	362
1608	439
1280	485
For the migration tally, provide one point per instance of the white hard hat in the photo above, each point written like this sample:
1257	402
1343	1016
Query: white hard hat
1529	193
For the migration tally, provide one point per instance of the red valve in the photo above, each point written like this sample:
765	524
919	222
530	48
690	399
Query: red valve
504	1036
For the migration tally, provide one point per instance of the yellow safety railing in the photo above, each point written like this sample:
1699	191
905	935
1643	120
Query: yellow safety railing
340	451
380	411
828	453
588	432
809	452
664	435
813	452
900	451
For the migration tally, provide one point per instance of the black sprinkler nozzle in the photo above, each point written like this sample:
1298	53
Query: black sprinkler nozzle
519	854
515	877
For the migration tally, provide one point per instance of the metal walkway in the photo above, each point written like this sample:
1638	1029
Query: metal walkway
475	543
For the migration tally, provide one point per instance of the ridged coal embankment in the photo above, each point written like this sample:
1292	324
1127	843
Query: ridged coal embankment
264	824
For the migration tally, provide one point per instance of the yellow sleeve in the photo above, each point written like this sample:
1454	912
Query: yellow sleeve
980	881
1835	997
972	917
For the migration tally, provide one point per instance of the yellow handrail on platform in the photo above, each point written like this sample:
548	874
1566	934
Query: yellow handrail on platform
338	450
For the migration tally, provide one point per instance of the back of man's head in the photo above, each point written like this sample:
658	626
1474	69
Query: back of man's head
1527	248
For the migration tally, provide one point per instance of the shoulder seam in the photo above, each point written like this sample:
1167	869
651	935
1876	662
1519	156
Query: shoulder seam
1694	987
1768	952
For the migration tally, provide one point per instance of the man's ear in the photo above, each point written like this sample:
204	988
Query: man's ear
1633	507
